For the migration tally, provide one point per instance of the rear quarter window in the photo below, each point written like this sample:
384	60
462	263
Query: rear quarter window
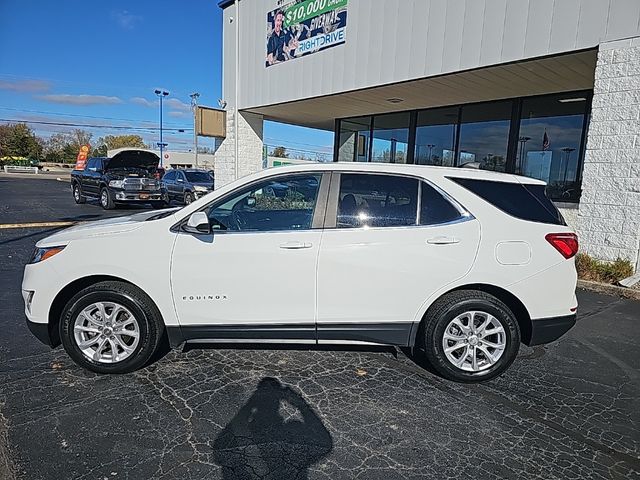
526	202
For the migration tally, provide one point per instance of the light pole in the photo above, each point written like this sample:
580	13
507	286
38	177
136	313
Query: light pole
523	145
567	151
161	94
430	147
194	107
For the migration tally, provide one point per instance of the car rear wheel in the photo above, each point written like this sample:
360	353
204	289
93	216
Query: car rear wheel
106	200
188	198
470	336
77	193
111	327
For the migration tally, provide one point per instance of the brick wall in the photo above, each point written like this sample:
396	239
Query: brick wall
249	148
608	222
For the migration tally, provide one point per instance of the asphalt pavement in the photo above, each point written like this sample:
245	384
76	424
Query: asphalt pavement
568	410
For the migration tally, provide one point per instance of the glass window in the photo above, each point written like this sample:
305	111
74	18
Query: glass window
377	201
436	137
527	202
169	176
549	142
390	138
354	140
435	208
285	203
484	135
198	177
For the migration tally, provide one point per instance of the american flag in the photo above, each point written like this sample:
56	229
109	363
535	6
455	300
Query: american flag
545	141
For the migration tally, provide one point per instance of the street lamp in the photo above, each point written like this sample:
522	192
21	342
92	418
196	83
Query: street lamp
430	147
523	145
161	94
194	107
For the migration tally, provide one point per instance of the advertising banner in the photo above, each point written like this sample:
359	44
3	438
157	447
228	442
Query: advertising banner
81	159
304	27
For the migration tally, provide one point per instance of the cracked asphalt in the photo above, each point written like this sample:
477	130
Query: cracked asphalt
568	410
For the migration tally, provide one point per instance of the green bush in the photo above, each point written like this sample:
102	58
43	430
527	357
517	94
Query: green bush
604	272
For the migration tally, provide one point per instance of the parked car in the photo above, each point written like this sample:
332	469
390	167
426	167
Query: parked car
128	177
461	264
187	185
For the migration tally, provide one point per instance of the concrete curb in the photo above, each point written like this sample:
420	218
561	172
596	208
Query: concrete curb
607	289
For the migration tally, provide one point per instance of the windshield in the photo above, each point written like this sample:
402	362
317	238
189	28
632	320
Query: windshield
198	177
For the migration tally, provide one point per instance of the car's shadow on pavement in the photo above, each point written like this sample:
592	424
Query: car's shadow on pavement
276	434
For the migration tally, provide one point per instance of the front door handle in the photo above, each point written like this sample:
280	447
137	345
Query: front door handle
443	240
296	245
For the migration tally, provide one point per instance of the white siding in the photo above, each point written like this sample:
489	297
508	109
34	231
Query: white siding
390	41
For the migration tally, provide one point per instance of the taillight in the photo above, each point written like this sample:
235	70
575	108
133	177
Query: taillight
565	243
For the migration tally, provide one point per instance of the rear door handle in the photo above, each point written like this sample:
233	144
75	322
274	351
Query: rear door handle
443	240
296	245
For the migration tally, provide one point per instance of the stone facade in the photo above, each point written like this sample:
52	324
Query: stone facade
249	148
608	221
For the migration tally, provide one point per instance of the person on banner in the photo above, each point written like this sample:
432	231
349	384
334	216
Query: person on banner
280	46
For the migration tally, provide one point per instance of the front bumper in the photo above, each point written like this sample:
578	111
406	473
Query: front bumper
41	332
546	330
125	196
199	194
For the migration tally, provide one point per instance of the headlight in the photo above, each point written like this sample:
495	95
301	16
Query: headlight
116	183
41	254
198	188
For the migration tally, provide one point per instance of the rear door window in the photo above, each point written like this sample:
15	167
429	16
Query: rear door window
527	202
367	200
435	209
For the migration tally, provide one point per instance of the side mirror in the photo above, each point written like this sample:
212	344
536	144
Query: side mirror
198	224
251	201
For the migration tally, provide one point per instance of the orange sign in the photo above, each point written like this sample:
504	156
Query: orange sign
81	160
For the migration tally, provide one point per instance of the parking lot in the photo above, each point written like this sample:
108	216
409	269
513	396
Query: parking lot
567	410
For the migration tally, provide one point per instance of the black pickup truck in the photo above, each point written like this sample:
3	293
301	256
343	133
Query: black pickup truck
130	176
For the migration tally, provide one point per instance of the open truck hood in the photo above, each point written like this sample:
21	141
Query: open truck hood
133	159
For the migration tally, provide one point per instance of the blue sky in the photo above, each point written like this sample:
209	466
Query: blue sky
98	62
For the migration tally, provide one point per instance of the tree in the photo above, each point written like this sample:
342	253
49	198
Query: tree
280	152
18	140
121	141
64	147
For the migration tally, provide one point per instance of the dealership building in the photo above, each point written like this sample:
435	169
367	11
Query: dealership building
543	88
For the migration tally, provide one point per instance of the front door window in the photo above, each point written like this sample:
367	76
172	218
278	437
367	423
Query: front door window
280	204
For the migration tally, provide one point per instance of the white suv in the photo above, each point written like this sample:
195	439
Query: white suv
461	264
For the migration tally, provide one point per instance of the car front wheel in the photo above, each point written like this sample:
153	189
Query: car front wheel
106	200
188	198
111	327
470	336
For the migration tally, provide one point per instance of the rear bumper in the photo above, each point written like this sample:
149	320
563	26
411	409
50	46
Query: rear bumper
40	331
546	330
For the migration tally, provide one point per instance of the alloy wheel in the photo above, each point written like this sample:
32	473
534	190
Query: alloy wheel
474	341
106	332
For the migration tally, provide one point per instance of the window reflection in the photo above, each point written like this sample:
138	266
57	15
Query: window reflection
353	145
549	142
436	137
484	135
391	138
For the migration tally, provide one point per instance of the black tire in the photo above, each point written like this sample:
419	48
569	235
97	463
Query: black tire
188	198
137	302
76	190
106	199
444	310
